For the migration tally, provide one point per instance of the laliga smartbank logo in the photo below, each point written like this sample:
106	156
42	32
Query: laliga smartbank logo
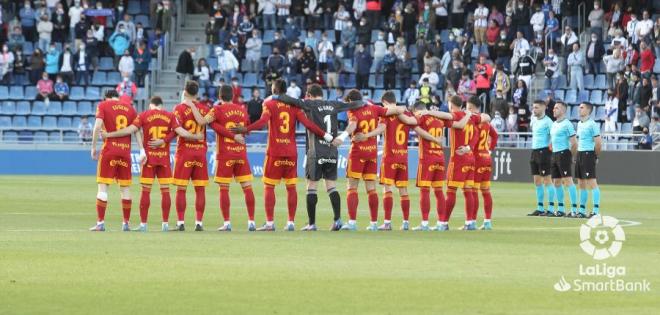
602	238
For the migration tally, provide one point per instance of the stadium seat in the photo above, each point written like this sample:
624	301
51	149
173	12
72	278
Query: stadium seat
559	95
34	122
54	136
8	108
75	122
71	136
5	122
588	81
19	122
99	78
601	82
64	122
378	94
266	50
30	92
247	94
38	108
213	62
55	108
23	108
28	48
656	67
596	97
40	136
332	95
269	37
69	108
376	81
412	49
600	113
144	20
77	93
133	7
583	96
571	97
250	80
626	128
10	136
85	108
105	63
16	93
50	122
562	83
93	93
575	114
113	78
4	92
374	35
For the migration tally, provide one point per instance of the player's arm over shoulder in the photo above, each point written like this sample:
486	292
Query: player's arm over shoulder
291	101
407	118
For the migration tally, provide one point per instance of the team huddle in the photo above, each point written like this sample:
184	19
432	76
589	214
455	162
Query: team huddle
471	140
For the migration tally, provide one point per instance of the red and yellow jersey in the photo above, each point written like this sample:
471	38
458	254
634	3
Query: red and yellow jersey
395	144
487	138
366	118
229	116
185	118
116	115
156	124
435	126
468	136
281	119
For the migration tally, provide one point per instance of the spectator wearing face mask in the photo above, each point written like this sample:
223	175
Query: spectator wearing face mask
253	52
227	64
594	53
44	88
596	20
127	90
45	30
498	104
614	64
61	90
82	65
66	65
75	11
551	64
52	61
119	42
126	65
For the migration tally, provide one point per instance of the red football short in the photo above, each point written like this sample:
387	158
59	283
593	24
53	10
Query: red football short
460	172
114	168
431	173
190	166
365	169
226	169
278	169
483	172
394	174
150	172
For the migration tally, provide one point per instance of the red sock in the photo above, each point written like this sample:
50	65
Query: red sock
425	202
475	204
145	202
200	202
225	203
488	203
352	203
249	201
165	203
440	207
126	209
373	205
469	203
101	205
291	201
180	204
405	207
449	203
388	204
269	202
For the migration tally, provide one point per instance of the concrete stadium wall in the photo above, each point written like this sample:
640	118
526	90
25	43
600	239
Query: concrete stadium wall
509	165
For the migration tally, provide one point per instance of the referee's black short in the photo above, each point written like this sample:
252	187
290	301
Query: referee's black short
540	162
561	164
585	165
321	168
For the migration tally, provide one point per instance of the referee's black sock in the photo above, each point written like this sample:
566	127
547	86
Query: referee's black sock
311	205
336	203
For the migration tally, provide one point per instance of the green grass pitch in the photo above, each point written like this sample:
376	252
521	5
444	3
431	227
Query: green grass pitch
50	264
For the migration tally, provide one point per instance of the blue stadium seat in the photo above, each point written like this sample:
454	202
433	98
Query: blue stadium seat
28	48
93	93
69	108
374	35
75	122
583	96
412	49
213	63
19	122
588	81
50	122
656	67
600	113
64	122
626	128
601	82
376	81
40	136
23	108
30	92
562	83
133	7
55	108
559	95
99	78
4	92
25	136
266	50
5	122
8	108
16	93
332	95
144	6
144	20
575	114
85	108
71	136
571	97
397	94
378	94
596	97
113	78
38	108
77	93
269	37
247	94
250	80
105	63
34	122
10	136
54	136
